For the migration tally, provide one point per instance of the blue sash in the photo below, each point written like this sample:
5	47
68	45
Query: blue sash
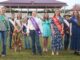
24	29
35	25
75	20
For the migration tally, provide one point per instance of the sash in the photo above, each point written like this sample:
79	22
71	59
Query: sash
2	19
66	22
58	24
13	23
24	28
35	25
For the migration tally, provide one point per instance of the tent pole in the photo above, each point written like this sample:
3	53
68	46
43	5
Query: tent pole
64	10
27	11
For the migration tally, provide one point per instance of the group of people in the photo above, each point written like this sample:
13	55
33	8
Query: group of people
57	28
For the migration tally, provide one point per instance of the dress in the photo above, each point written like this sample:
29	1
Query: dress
46	28
56	43
75	38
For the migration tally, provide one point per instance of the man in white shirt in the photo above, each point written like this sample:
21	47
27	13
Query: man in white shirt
34	23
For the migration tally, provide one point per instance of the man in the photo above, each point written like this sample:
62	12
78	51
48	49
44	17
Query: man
34	28
3	29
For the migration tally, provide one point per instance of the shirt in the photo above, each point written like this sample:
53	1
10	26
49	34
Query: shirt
31	27
3	23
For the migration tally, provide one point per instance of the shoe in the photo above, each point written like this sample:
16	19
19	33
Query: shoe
52	53
40	54
43	49
76	53
46	50
57	53
3	55
33	53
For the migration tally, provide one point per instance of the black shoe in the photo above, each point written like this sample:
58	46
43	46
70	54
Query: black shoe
33	53
76	53
40	54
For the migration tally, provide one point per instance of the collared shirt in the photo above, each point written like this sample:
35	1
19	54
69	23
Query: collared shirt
3	23
30	25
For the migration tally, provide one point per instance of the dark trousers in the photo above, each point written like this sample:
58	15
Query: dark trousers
66	41
10	40
35	42
3	39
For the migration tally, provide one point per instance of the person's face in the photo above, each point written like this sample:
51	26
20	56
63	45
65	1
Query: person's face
34	14
25	20
75	13
46	15
19	16
13	16
2	11
57	12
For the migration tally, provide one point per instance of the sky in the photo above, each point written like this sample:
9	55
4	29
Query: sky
70	3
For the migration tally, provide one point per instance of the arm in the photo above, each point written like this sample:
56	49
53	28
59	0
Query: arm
28	25
53	32
70	29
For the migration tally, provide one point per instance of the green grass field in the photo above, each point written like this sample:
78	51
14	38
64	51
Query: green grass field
27	55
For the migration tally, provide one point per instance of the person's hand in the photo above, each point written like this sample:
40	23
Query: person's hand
53	33
27	34
71	34
13	34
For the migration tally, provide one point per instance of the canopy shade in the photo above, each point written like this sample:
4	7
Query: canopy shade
33	4
76	7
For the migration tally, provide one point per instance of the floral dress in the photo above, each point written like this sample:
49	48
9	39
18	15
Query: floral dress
56	43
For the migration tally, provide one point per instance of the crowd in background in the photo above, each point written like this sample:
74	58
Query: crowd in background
63	32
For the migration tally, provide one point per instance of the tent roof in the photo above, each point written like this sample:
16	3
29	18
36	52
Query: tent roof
76	7
33	3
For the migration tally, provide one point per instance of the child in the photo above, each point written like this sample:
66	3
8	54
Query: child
24	31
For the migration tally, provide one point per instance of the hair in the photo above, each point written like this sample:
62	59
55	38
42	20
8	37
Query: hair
55	13
44	17
19	15
77	16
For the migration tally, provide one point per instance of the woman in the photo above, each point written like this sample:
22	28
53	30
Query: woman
17	43
75	32
57	32
4	27
46	31
24	31
12	25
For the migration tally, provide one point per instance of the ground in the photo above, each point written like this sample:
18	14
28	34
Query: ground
27	55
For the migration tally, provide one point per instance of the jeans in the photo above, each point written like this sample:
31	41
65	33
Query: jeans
3	39
26	41
35	42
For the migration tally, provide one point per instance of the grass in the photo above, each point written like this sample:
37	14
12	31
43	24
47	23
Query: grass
27	55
